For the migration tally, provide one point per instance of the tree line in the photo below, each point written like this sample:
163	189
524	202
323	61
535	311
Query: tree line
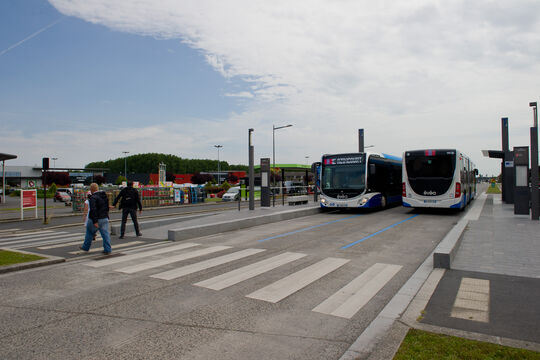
149	164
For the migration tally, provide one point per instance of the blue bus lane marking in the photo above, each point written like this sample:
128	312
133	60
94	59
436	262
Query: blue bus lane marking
308	228
378	232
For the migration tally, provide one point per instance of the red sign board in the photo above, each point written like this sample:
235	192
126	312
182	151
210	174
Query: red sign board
29	199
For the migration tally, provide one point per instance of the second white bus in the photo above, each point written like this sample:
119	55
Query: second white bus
440	178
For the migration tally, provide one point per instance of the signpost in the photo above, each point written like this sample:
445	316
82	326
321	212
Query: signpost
28	201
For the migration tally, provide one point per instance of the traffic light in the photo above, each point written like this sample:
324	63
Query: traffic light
45	165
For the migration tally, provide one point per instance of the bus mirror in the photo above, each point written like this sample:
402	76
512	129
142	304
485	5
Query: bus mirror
476	172
371	169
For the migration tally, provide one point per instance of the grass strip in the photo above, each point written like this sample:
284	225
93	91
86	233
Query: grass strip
12	257
420	345
493	190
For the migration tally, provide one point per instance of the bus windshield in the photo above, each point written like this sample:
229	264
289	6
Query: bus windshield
420	166
343	177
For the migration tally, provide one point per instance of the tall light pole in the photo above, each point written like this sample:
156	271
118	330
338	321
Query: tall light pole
54	161
274	128
218	165
125	163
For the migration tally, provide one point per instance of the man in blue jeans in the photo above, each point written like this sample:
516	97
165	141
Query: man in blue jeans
98	220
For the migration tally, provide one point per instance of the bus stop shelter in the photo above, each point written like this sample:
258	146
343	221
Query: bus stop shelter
3	158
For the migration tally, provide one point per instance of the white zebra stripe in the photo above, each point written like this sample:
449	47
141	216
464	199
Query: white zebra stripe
352	297
171	259
247	272
289	285
140	255
203	265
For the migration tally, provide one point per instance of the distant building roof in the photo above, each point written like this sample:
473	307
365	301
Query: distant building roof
296	167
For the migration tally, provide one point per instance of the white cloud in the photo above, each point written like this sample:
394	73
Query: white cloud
413	74
242	94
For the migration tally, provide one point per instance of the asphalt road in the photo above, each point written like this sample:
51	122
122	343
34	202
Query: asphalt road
155	307
62	216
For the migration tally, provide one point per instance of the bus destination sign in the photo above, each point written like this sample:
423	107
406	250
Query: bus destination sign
344	159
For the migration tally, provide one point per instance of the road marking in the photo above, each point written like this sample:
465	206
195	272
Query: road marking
8	230
31	233
203	265
140	255
287	286
115	247
378	232
247	272
351	298
472	300
308	228
39	240
47	233
61	245
171	259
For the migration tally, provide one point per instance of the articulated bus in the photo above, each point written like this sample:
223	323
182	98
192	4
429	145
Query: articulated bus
359	180
441	178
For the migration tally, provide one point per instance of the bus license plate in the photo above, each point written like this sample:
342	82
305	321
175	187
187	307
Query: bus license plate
430	201
341	205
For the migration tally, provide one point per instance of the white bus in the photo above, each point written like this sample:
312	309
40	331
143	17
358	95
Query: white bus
360	180
440	178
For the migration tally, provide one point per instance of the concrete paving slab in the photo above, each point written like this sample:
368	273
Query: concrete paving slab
500	243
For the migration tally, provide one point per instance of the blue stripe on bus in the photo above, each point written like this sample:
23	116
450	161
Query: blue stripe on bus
378	232
308	228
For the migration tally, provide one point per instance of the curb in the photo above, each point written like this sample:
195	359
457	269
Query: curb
49	260
446	251
224	226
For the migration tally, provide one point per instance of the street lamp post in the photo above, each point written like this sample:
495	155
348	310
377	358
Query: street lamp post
218	165
274	128
125	163
54	161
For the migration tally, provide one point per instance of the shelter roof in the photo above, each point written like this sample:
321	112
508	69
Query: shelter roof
4	157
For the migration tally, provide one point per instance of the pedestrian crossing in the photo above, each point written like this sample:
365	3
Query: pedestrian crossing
165	263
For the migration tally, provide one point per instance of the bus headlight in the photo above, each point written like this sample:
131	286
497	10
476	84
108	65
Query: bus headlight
363	201
323	201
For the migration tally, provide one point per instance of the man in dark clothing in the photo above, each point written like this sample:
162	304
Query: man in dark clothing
98	219
129	203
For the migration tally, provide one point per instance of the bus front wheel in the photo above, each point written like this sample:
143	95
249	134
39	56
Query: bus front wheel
383	202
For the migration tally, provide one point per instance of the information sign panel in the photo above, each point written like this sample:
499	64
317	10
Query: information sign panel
28	201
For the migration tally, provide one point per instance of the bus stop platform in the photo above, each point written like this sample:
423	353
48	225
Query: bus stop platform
183	229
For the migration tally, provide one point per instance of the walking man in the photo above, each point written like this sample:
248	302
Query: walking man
98	220
129	203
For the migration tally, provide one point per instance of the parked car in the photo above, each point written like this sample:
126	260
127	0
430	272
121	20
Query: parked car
63	195
232	194
294	187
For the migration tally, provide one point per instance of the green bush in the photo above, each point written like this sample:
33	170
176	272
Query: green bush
120	179
52	189
226	186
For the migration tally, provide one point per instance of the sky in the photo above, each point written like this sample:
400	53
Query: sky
86	80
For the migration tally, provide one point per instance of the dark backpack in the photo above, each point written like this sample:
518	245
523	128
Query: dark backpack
129	200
